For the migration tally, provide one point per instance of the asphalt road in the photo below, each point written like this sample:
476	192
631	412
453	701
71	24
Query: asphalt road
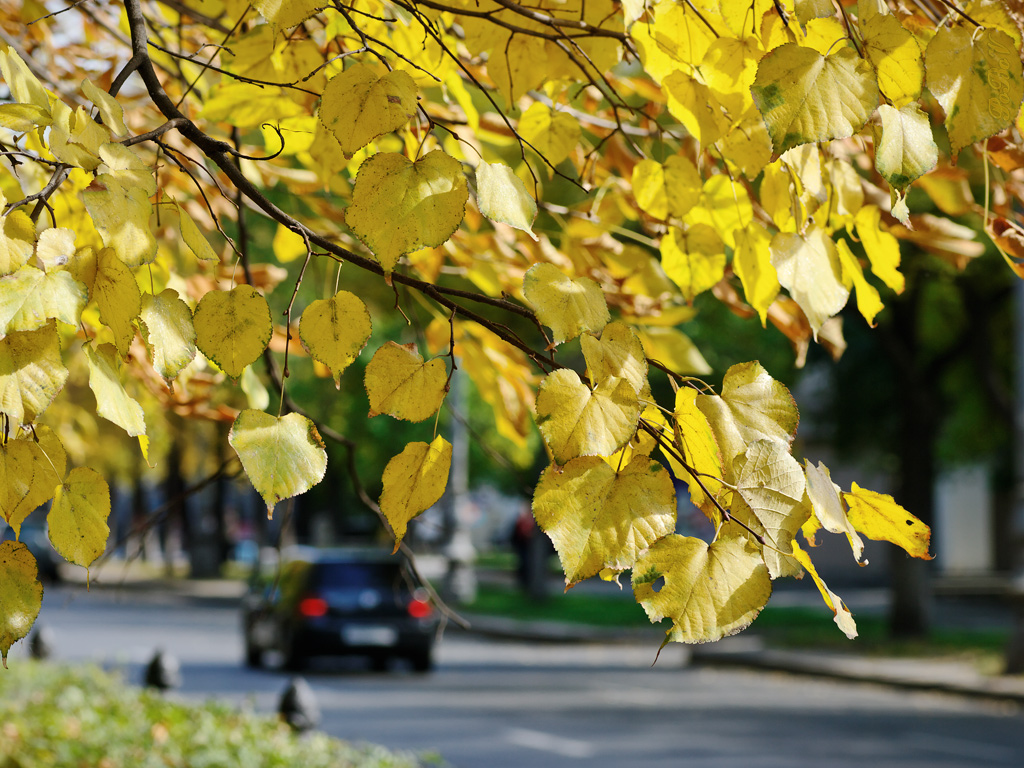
508	705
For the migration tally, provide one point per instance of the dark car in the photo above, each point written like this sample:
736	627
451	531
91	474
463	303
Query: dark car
333	602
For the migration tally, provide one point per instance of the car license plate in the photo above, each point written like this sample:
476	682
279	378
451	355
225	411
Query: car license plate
369	635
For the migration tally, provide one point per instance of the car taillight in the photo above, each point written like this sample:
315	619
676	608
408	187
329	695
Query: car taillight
420	609
312	607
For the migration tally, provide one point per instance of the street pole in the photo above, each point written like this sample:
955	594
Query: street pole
1015	651
460	577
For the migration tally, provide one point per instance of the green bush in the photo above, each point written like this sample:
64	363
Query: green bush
83	717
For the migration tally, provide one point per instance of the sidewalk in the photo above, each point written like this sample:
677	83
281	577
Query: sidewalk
746	650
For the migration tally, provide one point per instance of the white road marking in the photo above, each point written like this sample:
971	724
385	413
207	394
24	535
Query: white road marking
548	742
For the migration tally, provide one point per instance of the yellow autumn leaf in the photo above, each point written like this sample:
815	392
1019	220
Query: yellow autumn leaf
669	189
577	421
700	451
399	206
335	330
724	205
194	238
747	146
233	327
618	353
842	616
869	304
29	473
118	202
31	372
113	403
896	57
566	305
22	118
502	196
975	75
828	509
807	97
694	258
401	385
358	105
752	406
771	483
882	248
14	251
879	517
994	14
22	595
110	111
552	134
247	106
598	518
413	481
77	520
282	456
676	40
169	332
117	295
808	268
285	14
692	104
24	86
673	349
708	591
729	68
751	261
905	148
29	298
55	248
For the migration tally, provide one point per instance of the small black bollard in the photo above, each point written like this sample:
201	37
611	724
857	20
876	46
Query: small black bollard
298	706
163	672
40	644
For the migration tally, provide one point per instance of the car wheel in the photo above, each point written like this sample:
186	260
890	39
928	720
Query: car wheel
379	663
422	661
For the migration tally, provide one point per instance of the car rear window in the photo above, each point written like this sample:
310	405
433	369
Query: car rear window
357	575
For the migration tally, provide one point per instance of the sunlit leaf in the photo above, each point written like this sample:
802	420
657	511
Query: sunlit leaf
752	264
30	297
118	297
896	57
617	353
413	481
335	331
21	596
194	238
400	384
502	196
554	134
233	327
282	456
577	421
112	401
905	149
828	508
843	617
169	331
694	258
808	267
29	473
359	105
110	110
77	520
598	518
669	189
868	302
31	372
709	592
568	306
879	517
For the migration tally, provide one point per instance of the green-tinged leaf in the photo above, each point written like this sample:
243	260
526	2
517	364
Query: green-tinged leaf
551	133
21	594
31	297
598	518
24	86
753	406
808	267
118	297
111	113
694	258
905	148
31	372
752	264
400	384
399	206
169	332
669	189
807	97
828	509
233	327
896	57
975	75
335	330
282	456
194	238
113	403
618	353
576	421
709	592
29	473
256	395
502	196
413	481
359	105
771	484
868	301
568	306
843	617
77	521
879	517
